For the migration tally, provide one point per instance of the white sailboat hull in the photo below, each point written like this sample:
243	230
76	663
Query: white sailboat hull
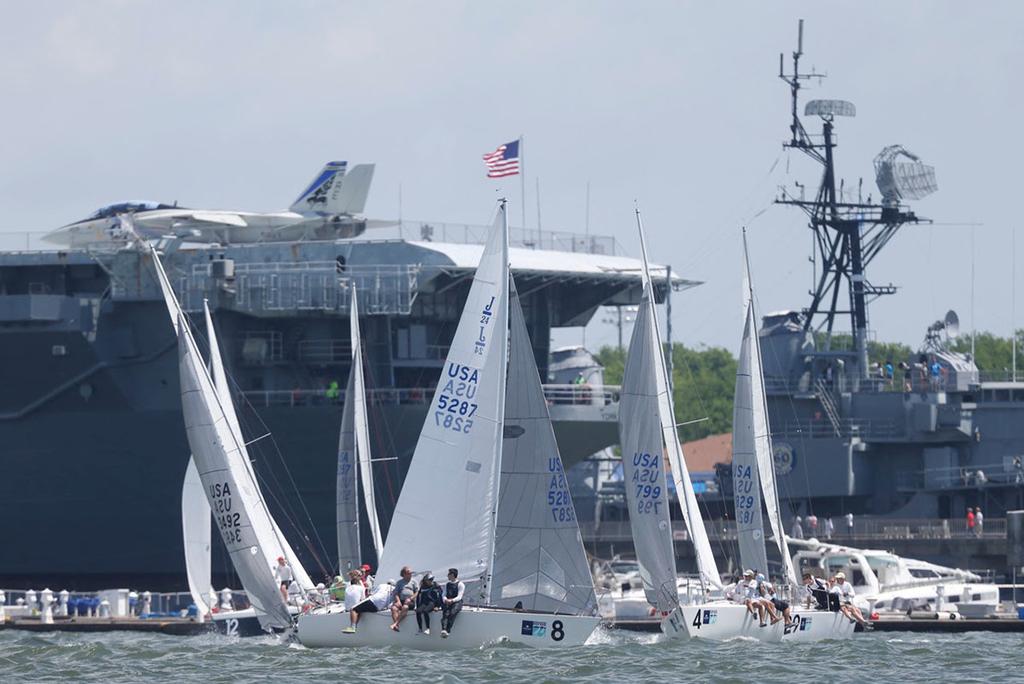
474	627
720	621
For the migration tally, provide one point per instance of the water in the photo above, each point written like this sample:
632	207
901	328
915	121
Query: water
616	656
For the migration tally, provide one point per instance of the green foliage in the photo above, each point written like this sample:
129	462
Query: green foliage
992	353
878	352
703	381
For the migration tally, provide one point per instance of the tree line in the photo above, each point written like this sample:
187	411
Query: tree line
704	377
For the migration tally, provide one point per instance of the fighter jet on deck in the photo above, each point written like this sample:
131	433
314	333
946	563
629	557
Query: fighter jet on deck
329	208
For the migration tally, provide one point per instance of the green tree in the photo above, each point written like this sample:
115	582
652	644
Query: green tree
992	353
703	381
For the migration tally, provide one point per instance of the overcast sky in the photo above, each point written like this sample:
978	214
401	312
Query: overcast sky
236	105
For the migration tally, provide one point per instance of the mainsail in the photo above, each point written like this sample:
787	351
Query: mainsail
761	432
354	462
220	383
706	565
643	465
539	559
745	481
197	533
219	453
451	489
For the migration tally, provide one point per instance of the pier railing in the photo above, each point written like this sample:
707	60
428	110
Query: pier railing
864	529
579	395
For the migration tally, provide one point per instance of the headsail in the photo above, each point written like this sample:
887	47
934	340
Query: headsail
218	454
643	465
223	388
354	461
451	488
362	431
706	565
761	429
196	530
539	559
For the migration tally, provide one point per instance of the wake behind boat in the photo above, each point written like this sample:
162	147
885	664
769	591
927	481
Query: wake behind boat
486	494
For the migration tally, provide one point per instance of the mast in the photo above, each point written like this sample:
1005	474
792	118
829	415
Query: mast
847	235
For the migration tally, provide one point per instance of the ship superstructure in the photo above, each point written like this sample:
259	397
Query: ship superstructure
94	448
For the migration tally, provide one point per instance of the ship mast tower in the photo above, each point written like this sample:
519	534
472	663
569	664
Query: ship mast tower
847	234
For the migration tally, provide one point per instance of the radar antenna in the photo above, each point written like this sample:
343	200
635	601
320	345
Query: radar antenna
848	235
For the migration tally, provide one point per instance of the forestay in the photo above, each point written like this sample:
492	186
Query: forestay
450	491
354	461
539	559
218	454
643	465
281	546
745	480
197	534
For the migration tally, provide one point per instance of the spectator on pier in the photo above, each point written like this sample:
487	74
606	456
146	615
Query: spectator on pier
812	525
798	530
829	527
970	520
979	522
849	524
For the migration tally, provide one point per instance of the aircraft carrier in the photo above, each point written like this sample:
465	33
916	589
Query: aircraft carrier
94	449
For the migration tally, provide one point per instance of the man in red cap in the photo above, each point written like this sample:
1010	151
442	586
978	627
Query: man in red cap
283	574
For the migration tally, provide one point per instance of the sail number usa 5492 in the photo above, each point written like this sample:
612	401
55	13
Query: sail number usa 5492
229	522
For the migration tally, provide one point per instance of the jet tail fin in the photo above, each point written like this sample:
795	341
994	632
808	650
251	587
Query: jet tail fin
334	191
355	187
318	193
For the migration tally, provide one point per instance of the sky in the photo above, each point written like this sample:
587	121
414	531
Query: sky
675	105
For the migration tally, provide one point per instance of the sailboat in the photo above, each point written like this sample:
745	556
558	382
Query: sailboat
252	537
753	480
354	462
485	493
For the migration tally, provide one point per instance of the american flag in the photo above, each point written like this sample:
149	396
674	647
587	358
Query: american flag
504	161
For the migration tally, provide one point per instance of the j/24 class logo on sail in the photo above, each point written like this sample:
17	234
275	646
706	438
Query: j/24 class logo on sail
455	408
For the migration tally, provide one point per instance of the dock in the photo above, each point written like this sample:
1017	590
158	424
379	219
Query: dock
172	626
894	624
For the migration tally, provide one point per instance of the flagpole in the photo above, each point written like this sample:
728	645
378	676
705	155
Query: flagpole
522	181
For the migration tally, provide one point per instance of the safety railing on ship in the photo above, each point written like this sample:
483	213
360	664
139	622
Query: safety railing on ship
561	395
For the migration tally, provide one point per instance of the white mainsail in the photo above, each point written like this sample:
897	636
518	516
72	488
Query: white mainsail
220	383
643	465
451	489
706	565
218	452
745	480
761	432
539	559
354	461
196	531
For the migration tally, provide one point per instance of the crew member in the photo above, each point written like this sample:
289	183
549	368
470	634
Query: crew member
284	576
453	591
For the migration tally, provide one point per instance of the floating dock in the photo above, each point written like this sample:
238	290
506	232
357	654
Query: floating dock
173	626
893	624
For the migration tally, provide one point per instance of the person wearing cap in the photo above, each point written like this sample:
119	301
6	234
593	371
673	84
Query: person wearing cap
284	576
367	578
845	592
746	590
428	599
765	608
337	588
452	602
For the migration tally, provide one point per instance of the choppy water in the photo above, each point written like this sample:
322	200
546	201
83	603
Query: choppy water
616	656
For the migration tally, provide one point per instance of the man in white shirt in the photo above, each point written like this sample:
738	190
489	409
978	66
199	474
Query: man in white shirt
284	576
845	591
378	601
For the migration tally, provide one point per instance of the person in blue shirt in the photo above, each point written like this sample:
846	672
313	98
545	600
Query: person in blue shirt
428	599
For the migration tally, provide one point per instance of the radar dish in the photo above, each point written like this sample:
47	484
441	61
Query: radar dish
952	322
830	108
901	175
